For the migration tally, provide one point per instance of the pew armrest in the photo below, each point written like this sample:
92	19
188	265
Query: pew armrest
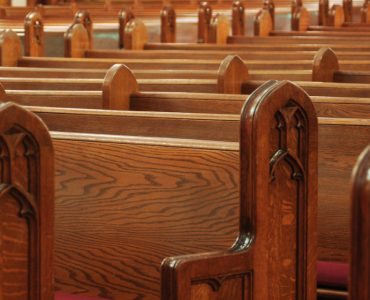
209	275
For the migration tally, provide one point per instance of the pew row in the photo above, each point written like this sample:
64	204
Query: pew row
122	253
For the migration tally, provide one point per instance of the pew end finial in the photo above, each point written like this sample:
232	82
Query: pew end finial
118	85
124	16
136	35
325	64
83	17
26	204
278	208
263	23
238	18
231	75
10	48
168	24
360	251
76	41
33	35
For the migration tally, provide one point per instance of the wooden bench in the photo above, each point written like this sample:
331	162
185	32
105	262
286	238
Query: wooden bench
127	263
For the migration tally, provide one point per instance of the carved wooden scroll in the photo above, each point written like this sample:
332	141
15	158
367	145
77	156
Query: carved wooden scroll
33	35
336	16
10	48
26	206
204	21
168	25
275	254
76	41
237	18
118	85
231	75
347	8
325	64
270	6
124	16
323	12
263	23
136	35
360	252
83	17
300	19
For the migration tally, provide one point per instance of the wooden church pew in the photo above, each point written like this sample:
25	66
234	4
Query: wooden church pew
332	132
123	264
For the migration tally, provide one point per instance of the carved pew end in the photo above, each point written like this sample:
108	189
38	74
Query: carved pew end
336	16
168	25
26	204
360	252
238	18
136	35
124	16
300	19
10	48
231	75
219	29
83	17
278	180
76	41
325	64
33	35
263	23
118	85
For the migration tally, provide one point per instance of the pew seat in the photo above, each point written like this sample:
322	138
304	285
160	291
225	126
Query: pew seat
332	275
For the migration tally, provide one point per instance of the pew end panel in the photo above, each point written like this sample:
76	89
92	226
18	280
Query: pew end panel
219	29
10	48
76	41
336	16
83	17
168	25
118	85
136	35
237	18
263	23
33	35
124	16
231	75
27	206
325	64
279	131
204	21
300	19
360	251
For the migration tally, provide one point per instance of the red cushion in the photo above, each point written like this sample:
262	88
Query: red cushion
332	275
64	296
